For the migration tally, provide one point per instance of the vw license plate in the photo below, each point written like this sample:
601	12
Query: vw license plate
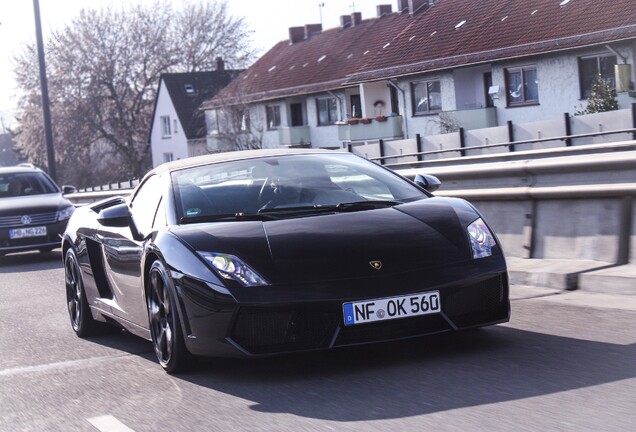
27	232
391	308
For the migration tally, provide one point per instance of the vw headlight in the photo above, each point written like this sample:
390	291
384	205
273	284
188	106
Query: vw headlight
481	239
233	268
65	213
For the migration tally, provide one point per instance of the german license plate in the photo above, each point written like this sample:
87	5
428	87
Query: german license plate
18	233
391	308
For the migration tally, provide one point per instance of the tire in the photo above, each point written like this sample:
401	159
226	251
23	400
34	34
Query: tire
81	318
165	325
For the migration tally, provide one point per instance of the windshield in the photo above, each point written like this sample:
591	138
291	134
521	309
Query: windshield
285	184
24	184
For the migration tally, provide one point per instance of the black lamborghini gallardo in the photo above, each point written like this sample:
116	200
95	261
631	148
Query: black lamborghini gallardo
275	251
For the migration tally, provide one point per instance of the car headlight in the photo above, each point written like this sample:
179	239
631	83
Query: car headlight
481	239
233	268
65	213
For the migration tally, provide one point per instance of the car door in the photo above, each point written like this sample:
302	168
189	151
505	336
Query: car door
123	253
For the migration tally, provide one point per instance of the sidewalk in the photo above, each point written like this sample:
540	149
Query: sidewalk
582	275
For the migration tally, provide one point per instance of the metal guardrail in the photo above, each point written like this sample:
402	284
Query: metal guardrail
510	145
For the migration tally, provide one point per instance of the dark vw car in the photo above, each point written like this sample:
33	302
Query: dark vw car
274	251
33	211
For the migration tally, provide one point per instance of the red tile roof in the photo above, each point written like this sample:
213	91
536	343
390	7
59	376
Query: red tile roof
403	44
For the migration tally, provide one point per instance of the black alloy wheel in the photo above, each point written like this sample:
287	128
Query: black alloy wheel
165	326
81	319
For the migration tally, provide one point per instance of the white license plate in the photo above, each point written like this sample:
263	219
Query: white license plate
27	232
391	308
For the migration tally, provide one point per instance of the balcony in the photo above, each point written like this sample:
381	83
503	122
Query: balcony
477	118
294	136
389	128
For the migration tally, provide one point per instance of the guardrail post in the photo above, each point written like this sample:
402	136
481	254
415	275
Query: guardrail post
634	120
568	129
462	141
418	142
511	136
381	145
625	236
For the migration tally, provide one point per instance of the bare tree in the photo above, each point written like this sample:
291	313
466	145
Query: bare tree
103	70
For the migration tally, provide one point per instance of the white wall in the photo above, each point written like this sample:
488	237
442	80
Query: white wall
177	143
376	99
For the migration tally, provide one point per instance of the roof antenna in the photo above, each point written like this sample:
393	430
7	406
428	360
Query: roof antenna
353	6
320	6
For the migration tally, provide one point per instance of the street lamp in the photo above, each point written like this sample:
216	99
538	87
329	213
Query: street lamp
46	109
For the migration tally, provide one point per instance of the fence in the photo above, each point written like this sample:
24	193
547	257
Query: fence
569	131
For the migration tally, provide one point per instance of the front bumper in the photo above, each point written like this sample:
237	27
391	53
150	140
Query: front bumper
312	319
53	239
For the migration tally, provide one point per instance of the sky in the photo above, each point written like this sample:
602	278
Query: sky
268	19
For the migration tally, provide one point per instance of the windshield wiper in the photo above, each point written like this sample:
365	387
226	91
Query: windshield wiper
227	217
365	205
295	209
325	208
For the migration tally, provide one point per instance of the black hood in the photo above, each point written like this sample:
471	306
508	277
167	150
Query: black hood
407	237
32	204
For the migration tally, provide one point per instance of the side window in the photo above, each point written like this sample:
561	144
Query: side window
327	111
522	86
165	126
273	117
593	68
426	97
144	204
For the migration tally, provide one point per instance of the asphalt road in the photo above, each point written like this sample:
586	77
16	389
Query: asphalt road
566	362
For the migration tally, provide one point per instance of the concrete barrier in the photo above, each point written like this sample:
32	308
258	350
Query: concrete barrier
558	214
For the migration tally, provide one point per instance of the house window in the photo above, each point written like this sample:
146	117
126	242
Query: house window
174	123
212	122
327	111
165	126
356	106
243	118
591	67
427	97
168	157
522	86
273	117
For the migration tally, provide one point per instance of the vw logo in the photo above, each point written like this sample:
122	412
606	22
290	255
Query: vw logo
26	220
376	264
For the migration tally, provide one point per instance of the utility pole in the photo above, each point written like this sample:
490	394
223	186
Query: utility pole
46	108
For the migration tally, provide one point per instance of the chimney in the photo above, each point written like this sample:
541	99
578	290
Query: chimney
345	21
384	10
356	18
296	34
417	5
312	29
220	64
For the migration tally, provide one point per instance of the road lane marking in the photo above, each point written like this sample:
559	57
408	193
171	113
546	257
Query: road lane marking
108	423
59	365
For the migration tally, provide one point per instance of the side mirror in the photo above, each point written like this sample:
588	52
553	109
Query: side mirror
68	189
115	216
428	182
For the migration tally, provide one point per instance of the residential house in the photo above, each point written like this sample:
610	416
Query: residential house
178	125
429	66
8	154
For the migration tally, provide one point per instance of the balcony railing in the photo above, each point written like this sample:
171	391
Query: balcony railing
294	136
390	127
475	118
